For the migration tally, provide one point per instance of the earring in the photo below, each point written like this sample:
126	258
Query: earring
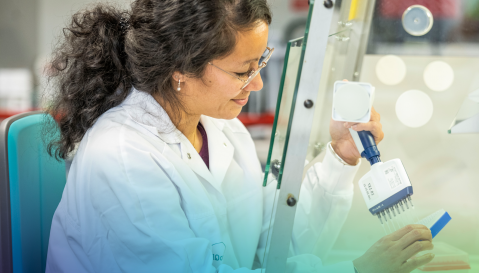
179	88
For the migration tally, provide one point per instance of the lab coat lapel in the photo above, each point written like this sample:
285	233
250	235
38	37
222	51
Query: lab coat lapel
221	150
196	163
144	109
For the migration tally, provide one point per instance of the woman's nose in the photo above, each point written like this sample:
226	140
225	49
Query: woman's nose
256	84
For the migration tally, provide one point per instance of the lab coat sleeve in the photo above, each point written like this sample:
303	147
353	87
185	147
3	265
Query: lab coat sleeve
324	203
140	207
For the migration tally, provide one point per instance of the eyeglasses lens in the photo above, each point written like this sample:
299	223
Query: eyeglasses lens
264	58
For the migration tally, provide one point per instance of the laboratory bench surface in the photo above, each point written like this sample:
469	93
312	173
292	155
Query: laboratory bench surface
334	257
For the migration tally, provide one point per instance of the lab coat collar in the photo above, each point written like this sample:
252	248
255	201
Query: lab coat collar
145	110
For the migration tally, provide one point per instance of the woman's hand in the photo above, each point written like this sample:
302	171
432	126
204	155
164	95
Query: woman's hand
342	141
393	252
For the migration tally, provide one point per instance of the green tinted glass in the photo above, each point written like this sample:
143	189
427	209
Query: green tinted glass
283	111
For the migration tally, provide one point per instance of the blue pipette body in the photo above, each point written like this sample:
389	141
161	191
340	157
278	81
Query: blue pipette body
371	152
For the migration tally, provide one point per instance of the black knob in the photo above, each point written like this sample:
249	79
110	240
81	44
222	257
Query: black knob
291	201
308	103
328	4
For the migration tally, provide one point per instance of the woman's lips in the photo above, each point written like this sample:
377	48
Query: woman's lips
241	102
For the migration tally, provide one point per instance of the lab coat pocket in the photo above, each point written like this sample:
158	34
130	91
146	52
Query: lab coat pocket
218	250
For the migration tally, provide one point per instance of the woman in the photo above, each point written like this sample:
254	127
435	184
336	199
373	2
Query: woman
165	178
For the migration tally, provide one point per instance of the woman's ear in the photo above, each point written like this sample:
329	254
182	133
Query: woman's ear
178	78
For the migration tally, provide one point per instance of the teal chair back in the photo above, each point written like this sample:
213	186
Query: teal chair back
31	186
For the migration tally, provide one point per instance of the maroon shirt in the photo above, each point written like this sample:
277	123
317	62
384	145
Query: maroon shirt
204	149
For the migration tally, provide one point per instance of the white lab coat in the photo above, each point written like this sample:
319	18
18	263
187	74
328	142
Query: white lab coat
139	198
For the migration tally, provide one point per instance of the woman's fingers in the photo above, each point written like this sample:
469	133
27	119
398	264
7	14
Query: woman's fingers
415	248
414	236
416	262
397	235
393	252
375	116
374	126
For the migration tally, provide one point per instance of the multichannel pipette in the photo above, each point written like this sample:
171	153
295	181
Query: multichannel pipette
386	188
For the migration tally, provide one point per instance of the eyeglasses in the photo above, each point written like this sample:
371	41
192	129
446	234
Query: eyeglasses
261	64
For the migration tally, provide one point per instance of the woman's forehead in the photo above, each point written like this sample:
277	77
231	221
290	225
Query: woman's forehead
250	45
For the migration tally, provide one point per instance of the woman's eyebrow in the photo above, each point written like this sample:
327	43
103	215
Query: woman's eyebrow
249	61
252	60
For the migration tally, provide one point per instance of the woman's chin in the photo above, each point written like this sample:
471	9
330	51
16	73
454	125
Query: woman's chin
233	113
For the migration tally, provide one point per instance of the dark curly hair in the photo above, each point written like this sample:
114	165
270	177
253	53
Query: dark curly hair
99	59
